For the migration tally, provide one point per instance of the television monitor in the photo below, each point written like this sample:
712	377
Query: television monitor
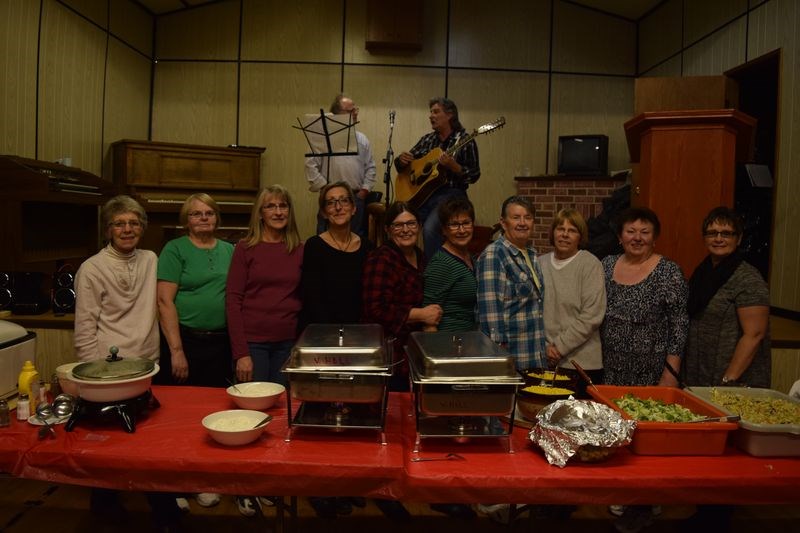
583	155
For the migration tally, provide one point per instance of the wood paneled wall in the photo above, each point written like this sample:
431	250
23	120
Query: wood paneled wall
76	76
719	35
492	60
19	21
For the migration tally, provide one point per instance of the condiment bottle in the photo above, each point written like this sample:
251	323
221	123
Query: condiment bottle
27	377
23	407
5	419
55	386
44	393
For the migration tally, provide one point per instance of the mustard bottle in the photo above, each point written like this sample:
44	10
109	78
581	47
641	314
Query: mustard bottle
28	382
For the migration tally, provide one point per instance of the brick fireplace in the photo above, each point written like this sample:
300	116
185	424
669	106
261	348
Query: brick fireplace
549	194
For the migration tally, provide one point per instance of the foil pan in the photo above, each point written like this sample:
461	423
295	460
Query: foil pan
565	425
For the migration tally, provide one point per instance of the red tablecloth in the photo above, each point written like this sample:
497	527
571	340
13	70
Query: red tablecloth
170	451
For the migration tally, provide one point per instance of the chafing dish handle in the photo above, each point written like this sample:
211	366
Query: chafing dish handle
337	377
470	387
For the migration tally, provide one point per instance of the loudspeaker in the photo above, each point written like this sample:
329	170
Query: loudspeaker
5	291
28	293
63	293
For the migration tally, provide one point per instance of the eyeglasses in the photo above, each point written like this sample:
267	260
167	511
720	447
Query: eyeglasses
455	226
520	218
121	224
283	206
568	231
202	214
340	202
398	226
710	234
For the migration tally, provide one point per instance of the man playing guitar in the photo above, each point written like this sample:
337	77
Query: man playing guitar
458	171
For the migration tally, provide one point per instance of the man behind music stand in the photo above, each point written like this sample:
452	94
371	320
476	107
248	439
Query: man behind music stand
332	159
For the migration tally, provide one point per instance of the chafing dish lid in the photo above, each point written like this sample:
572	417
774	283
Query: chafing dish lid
467	357
337	348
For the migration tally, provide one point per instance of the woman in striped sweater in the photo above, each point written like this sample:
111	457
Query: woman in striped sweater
450	275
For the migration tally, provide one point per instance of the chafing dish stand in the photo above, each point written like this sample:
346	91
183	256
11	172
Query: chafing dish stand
464	386
338	376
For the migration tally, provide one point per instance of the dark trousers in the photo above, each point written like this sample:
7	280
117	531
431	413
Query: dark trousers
162	505
208	354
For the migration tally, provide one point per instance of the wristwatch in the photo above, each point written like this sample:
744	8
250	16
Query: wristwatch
728	381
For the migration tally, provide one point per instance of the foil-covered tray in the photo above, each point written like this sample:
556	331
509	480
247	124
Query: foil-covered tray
564	427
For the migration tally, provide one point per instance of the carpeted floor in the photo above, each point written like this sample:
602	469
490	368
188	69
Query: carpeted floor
33	506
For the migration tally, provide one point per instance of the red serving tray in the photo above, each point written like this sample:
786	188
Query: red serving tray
670	438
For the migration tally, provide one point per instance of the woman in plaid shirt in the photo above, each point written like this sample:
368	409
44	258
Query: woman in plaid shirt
510	288
393	286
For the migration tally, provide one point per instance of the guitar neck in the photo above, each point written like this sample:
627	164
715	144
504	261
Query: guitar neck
460	144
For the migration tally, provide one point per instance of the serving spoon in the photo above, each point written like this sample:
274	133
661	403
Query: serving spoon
448	457
43	412
233	385
264	421
728	418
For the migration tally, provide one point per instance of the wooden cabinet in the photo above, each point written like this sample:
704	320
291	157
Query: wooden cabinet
687	167
147	164
162	175
685	93
48	214
394	25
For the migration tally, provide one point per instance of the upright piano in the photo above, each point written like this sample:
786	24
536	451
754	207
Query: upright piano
162	175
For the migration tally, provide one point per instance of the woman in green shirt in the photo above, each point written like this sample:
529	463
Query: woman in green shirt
450	275
192	271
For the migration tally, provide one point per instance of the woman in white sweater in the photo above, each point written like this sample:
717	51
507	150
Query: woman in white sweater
115	289
574	297
115	305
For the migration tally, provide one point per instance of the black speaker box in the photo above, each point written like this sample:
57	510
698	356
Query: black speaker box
28	293
5	291
63	292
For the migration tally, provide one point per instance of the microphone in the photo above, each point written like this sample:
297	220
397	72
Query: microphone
391	117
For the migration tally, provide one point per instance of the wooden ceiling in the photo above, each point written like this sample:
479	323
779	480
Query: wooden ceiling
629	9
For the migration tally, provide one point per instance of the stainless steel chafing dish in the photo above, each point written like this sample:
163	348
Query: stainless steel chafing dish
464	385
338	377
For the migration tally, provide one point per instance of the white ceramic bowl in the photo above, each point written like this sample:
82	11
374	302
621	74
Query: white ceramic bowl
234	427
257	395
64	373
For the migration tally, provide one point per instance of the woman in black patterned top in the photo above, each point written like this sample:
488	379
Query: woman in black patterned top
646	323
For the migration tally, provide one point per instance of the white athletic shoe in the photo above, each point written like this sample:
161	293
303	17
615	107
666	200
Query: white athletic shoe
208	499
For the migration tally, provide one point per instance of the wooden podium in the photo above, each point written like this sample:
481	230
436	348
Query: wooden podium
687	166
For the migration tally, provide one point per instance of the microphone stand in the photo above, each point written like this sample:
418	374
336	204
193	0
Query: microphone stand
388	160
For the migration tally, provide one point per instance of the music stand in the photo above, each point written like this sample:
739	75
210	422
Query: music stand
329	135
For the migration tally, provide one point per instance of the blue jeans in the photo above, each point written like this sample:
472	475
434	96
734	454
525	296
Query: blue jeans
268	358
356	223
428	216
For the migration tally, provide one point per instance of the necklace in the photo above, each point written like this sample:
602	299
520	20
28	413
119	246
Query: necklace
346	245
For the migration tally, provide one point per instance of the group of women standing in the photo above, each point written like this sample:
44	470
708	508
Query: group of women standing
228	311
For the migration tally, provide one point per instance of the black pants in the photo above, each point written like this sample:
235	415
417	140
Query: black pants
208	355
162	505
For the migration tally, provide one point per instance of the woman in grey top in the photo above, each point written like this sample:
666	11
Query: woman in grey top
728	310
575	299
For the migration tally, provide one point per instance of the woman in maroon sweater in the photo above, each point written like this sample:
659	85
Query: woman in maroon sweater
263	299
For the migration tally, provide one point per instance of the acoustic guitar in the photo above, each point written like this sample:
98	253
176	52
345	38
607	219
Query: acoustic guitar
421	178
